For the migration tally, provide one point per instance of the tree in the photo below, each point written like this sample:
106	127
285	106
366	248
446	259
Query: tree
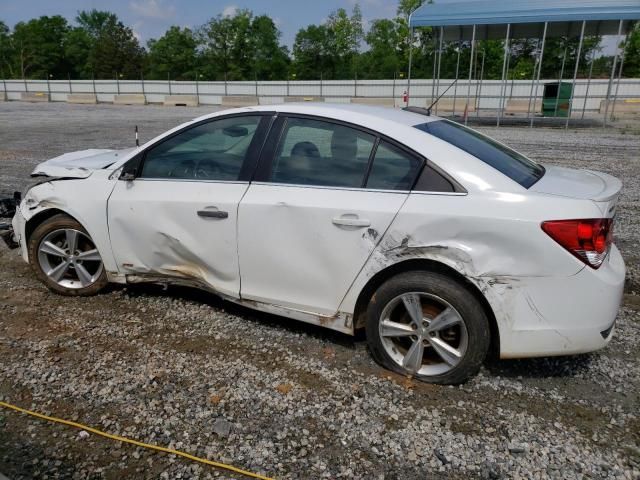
6	52
243	47
77	49
313	54
270	60
38	47
383	59
95	21
225	45
174	54
632	53
114	48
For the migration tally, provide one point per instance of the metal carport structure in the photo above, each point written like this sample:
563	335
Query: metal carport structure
472	20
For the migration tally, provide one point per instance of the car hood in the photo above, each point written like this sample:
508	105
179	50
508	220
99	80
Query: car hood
80	164
582	184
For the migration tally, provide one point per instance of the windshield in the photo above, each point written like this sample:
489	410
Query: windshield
515	166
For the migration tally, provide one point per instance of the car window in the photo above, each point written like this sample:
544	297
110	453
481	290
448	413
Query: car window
214	150
314	152
514	165
392	168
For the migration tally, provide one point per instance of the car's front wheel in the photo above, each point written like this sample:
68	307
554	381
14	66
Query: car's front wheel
65	258
428	326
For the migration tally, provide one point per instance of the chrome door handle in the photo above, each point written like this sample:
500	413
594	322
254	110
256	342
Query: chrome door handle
213	214
351	221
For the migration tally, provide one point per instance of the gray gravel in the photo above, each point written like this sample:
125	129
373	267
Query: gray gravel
184	369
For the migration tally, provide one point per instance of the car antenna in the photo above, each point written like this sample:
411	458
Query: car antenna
437	99
137	141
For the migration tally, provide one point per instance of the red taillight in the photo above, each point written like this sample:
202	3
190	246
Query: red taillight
588	239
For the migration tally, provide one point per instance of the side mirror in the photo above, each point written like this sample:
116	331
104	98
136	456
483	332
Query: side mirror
130	169
127	176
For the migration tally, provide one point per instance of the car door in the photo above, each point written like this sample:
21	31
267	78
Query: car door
178	216
308	223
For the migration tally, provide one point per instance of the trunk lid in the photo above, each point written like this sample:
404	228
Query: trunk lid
601	188
79	164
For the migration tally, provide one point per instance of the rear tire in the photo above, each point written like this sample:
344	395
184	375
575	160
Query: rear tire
64	257
428	326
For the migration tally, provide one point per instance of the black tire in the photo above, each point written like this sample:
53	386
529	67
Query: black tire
58	222
457	296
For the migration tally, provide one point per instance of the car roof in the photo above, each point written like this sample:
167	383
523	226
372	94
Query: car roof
354	113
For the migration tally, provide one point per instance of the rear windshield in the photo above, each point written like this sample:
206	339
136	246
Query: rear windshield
515	166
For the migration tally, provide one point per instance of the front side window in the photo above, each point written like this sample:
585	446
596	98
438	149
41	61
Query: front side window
314	152
214	150
392	168
512	164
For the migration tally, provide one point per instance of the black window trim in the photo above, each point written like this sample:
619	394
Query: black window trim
249	165
263	171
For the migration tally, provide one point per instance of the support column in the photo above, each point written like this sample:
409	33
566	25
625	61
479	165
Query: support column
564	59
615	95
479	86
613	73
586	93
503	84
544	37
455	87
439	65
575	73
435	57
410	61
473	47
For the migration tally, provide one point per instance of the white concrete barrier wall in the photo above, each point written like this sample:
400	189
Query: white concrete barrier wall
340	91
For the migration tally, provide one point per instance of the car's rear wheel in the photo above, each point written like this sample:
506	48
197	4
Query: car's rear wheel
428	326
65	258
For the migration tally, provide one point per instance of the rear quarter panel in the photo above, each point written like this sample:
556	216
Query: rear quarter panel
489	237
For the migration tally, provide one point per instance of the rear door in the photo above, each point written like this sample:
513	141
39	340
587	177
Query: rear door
177	218
308	223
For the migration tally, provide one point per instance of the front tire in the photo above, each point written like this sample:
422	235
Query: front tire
65	258
428	326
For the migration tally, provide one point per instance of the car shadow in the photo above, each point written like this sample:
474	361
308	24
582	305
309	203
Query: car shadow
543	367
196	295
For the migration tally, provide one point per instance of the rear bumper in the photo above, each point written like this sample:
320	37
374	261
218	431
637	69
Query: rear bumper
545	316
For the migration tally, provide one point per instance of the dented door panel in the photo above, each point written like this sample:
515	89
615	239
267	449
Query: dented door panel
302	247
157	228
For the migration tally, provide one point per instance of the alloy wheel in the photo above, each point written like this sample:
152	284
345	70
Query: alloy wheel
423	333
70	258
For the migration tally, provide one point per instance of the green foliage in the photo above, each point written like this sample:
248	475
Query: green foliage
330	50
631	66
37	47
174	55
247	47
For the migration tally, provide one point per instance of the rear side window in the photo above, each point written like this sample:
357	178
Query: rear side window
314	152
515	166
392	169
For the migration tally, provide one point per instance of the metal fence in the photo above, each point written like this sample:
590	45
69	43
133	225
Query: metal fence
488	96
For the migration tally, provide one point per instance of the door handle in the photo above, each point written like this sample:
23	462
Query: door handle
351	221
213	214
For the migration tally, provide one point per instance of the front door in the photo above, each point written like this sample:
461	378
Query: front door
178	217
307	228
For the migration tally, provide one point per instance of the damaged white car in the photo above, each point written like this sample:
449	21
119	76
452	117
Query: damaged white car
438	241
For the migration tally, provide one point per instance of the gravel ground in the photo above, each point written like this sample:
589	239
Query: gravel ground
184	369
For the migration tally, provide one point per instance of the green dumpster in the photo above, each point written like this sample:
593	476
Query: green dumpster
554	104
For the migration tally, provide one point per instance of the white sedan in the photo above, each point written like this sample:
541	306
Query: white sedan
437	240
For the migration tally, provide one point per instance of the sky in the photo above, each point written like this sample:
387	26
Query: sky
151	18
